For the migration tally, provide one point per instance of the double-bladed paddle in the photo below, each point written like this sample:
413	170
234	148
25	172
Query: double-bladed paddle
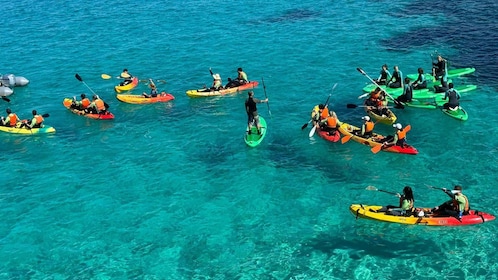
399	104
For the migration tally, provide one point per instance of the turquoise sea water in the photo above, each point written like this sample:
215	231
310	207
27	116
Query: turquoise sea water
171	191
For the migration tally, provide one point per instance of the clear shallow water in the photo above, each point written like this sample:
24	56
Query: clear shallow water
170	191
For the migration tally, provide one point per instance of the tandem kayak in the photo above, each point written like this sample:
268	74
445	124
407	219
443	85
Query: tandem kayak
254	139
106	116
457	113
127	87
371	212
376	140
24	130
207	92
452	73
140	99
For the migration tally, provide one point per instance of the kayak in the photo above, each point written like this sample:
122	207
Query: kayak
206	92
336	136
127	87
24	130
254	139
140	99
106	116
371	212
385	119
376	140
452	73
457	113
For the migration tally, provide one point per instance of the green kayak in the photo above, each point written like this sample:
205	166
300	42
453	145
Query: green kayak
254	139
452	73
457	113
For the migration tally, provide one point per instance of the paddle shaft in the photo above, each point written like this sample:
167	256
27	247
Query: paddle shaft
78	77
266	96
371	80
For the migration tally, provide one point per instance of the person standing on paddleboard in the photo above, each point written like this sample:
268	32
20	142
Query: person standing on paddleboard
252	111
439	68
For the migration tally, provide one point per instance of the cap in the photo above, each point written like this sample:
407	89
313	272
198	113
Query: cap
366	118
397	125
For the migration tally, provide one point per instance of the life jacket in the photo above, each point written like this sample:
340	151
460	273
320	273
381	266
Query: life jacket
100	105
315	113
401	134
331	122
13	119
466	207
325	113
85	103
375	95
39	119
369	126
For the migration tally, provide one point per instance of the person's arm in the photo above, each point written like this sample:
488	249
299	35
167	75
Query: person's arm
449	193
211	72
33	122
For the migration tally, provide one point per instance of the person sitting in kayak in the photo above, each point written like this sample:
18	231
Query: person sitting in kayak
407	92
439	68
399	138
98	106
252	112
384	76
329	123
242	76
217	83
128	78
453	98
82	104
457	206
11	120
36	121
377	103
396	80
153	90
315	114
420	82
366	129
406	204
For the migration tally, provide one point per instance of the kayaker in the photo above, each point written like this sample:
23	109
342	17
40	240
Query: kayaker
315	114
367	128
407	92
126	76
36	121
153	90
396	80
406	204
217	83
252	111
384	76
329	124
458	205
11	120
399	137
82	104
439	68
98	106
420	82
242	76
453	98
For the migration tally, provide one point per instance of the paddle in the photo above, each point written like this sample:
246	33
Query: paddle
401	106
105	76
378	148
346	138
306	124
78	77
266	96
312	132
5	99
372	188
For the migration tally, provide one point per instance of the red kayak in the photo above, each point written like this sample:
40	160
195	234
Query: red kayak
336	136
106	116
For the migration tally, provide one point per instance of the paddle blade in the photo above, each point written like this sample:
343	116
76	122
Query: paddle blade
351	106
371	188
361	70
376	149
408	128
312	132
45	115
78	77
5	99
346	138
105	76
304	125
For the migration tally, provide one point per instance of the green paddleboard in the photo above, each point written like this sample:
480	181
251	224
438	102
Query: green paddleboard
452	73
457	113
254	139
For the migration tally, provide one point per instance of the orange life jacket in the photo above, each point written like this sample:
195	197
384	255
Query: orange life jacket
332	122
325	113
39	119
375	95
369	126
85	103
99	104
13	119
466	207
401	134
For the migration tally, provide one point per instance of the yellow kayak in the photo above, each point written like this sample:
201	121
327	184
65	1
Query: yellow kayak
18	130
127	87
385	119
